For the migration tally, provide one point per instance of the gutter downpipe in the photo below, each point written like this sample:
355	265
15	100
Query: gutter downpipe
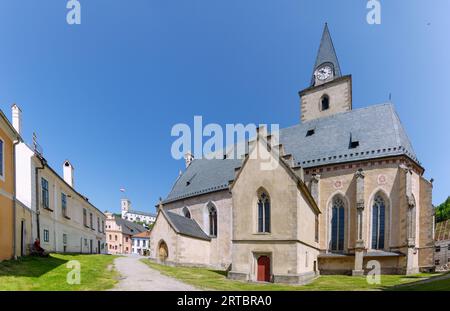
36	172
15	143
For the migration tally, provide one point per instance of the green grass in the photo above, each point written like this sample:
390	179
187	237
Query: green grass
216	280
435	284
50	274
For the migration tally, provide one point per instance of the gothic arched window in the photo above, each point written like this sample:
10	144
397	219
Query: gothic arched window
186	212
263	213
378	222
212	220
325	102
337	224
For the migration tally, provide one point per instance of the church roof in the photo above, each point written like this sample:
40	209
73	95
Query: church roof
185	226
376	129
327	54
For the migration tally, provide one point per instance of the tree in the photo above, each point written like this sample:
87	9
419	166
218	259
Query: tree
443	211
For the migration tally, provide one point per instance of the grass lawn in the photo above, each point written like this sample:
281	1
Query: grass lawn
50	274
216	280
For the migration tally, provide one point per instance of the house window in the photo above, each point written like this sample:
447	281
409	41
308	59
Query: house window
98	225
449	247
85	217
438	249
103	226
378	222
325	102
186	212
46	235
85	242
110	237
45	196
264	213
115	237
64	239
139	243
337	225
126	239
2	159
91	220
212	220
64	204
437	262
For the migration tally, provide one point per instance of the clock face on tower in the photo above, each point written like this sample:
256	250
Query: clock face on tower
323	73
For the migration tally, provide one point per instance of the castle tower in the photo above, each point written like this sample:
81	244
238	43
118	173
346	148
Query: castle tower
125	207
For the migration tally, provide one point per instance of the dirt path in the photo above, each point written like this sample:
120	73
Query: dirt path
136	276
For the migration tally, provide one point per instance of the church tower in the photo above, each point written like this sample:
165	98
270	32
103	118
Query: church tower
330	92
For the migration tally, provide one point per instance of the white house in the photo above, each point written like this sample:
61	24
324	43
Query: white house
141	243
63	219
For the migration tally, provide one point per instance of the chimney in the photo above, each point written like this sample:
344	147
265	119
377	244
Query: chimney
17	118
188	157
68	173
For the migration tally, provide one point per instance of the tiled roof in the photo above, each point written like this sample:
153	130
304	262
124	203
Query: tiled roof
377	129
142	235
186	226
203	176
442	230
128	227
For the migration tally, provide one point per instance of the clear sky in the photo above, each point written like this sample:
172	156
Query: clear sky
105	94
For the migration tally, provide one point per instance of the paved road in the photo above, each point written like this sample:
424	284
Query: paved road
137	276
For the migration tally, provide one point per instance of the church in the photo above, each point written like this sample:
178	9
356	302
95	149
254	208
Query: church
348	195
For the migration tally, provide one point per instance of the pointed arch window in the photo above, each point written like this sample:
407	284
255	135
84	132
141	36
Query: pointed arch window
337	224
186	212
325	102
378	222
263	213
212	220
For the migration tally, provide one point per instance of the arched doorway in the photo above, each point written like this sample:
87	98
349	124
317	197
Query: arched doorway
263	273
163	251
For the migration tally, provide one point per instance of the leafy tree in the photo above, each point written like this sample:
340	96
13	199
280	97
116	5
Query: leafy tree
443	211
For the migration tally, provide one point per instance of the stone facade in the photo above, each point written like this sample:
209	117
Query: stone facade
339	92
219	248
169	247
345	199
290	243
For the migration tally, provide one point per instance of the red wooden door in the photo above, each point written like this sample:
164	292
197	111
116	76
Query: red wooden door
263	269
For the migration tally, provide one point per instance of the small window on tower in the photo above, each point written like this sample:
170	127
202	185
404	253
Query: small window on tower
310	132
325	103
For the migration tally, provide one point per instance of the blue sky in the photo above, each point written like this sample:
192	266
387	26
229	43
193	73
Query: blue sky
105	94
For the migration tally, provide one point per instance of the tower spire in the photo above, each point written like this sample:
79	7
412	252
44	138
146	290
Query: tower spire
326	54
